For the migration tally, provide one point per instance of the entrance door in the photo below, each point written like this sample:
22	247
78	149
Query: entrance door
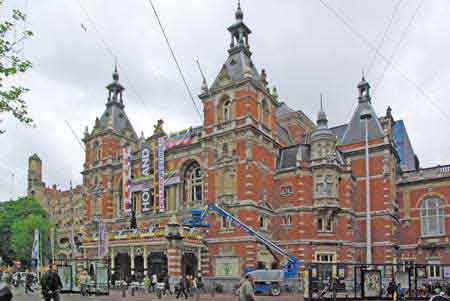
122	267
189	264
157	264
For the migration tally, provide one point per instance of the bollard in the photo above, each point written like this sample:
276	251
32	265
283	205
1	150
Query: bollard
213	291
132	291
124	291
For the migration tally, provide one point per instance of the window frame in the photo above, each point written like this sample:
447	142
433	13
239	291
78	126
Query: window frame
427	217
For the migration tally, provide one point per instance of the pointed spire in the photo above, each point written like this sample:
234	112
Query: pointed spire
322	121
239	13
275	93
364	90
115	89
263	78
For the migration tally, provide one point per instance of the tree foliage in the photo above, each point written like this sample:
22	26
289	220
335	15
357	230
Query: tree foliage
18	219
11	96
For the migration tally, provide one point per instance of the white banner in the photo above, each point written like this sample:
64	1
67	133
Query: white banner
161	148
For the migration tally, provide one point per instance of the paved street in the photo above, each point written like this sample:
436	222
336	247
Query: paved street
19	295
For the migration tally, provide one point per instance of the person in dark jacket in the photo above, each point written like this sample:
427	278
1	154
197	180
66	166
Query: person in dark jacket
51	284
29	278
392	287
182	288
5	294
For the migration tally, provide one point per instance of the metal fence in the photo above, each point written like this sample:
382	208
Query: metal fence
347	281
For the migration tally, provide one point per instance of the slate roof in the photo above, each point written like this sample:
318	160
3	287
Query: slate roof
355	132
120	120
235	67
287	157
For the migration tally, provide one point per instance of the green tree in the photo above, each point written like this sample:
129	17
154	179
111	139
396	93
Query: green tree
15	214
11	96
22	235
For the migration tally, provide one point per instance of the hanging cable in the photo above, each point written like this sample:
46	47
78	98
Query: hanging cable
113	55
399	42
386	60
383	38
175	60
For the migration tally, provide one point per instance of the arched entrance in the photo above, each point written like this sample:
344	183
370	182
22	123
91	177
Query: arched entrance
122	263
157	264
189	264
139	268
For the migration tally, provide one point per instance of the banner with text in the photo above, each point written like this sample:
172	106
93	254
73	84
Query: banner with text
126	178
161	148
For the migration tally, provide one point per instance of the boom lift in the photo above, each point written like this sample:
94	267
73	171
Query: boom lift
266	281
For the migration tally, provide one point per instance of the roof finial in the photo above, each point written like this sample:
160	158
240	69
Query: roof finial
362	73
321	102
239	14
115	74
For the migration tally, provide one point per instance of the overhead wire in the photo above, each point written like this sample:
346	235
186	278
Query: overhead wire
113	55
371	46
399	42
175	60
383	37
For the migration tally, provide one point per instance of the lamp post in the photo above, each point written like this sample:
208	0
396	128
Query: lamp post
365	116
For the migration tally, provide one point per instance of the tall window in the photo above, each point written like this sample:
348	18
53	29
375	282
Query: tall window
265	112
227	111
324	224
432	217
193	184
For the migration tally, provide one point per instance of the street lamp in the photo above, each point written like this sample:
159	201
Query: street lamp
365	116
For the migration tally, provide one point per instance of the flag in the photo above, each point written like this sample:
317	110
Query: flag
35	249
72	243
179	139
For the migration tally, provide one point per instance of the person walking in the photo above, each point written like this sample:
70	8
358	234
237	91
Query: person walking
246	290
392	287
51	284
154	281
29	278
182	288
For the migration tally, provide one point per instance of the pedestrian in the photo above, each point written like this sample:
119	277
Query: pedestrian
5	291
29	278
392	287
246	290
154	281
188	285
147	284
83	283
182	288
194	285
51	284
167	285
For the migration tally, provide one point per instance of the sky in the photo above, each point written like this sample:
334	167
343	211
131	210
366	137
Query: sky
305	48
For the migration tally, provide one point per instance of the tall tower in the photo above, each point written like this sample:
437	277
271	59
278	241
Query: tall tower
34	176
241	141
102	167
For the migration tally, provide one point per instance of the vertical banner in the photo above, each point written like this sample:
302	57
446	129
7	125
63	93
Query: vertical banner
126	176
35	249
161	147
145	171
72	243
101	240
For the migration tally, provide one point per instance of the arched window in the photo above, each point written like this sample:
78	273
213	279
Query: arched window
432	217
193	184
227	111
265	112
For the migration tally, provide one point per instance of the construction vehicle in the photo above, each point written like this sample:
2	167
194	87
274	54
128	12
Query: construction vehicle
266	281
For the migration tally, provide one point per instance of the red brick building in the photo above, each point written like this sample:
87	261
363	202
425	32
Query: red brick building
301	184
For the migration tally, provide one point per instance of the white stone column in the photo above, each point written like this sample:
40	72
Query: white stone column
112	261
132	259
199	260
145	260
